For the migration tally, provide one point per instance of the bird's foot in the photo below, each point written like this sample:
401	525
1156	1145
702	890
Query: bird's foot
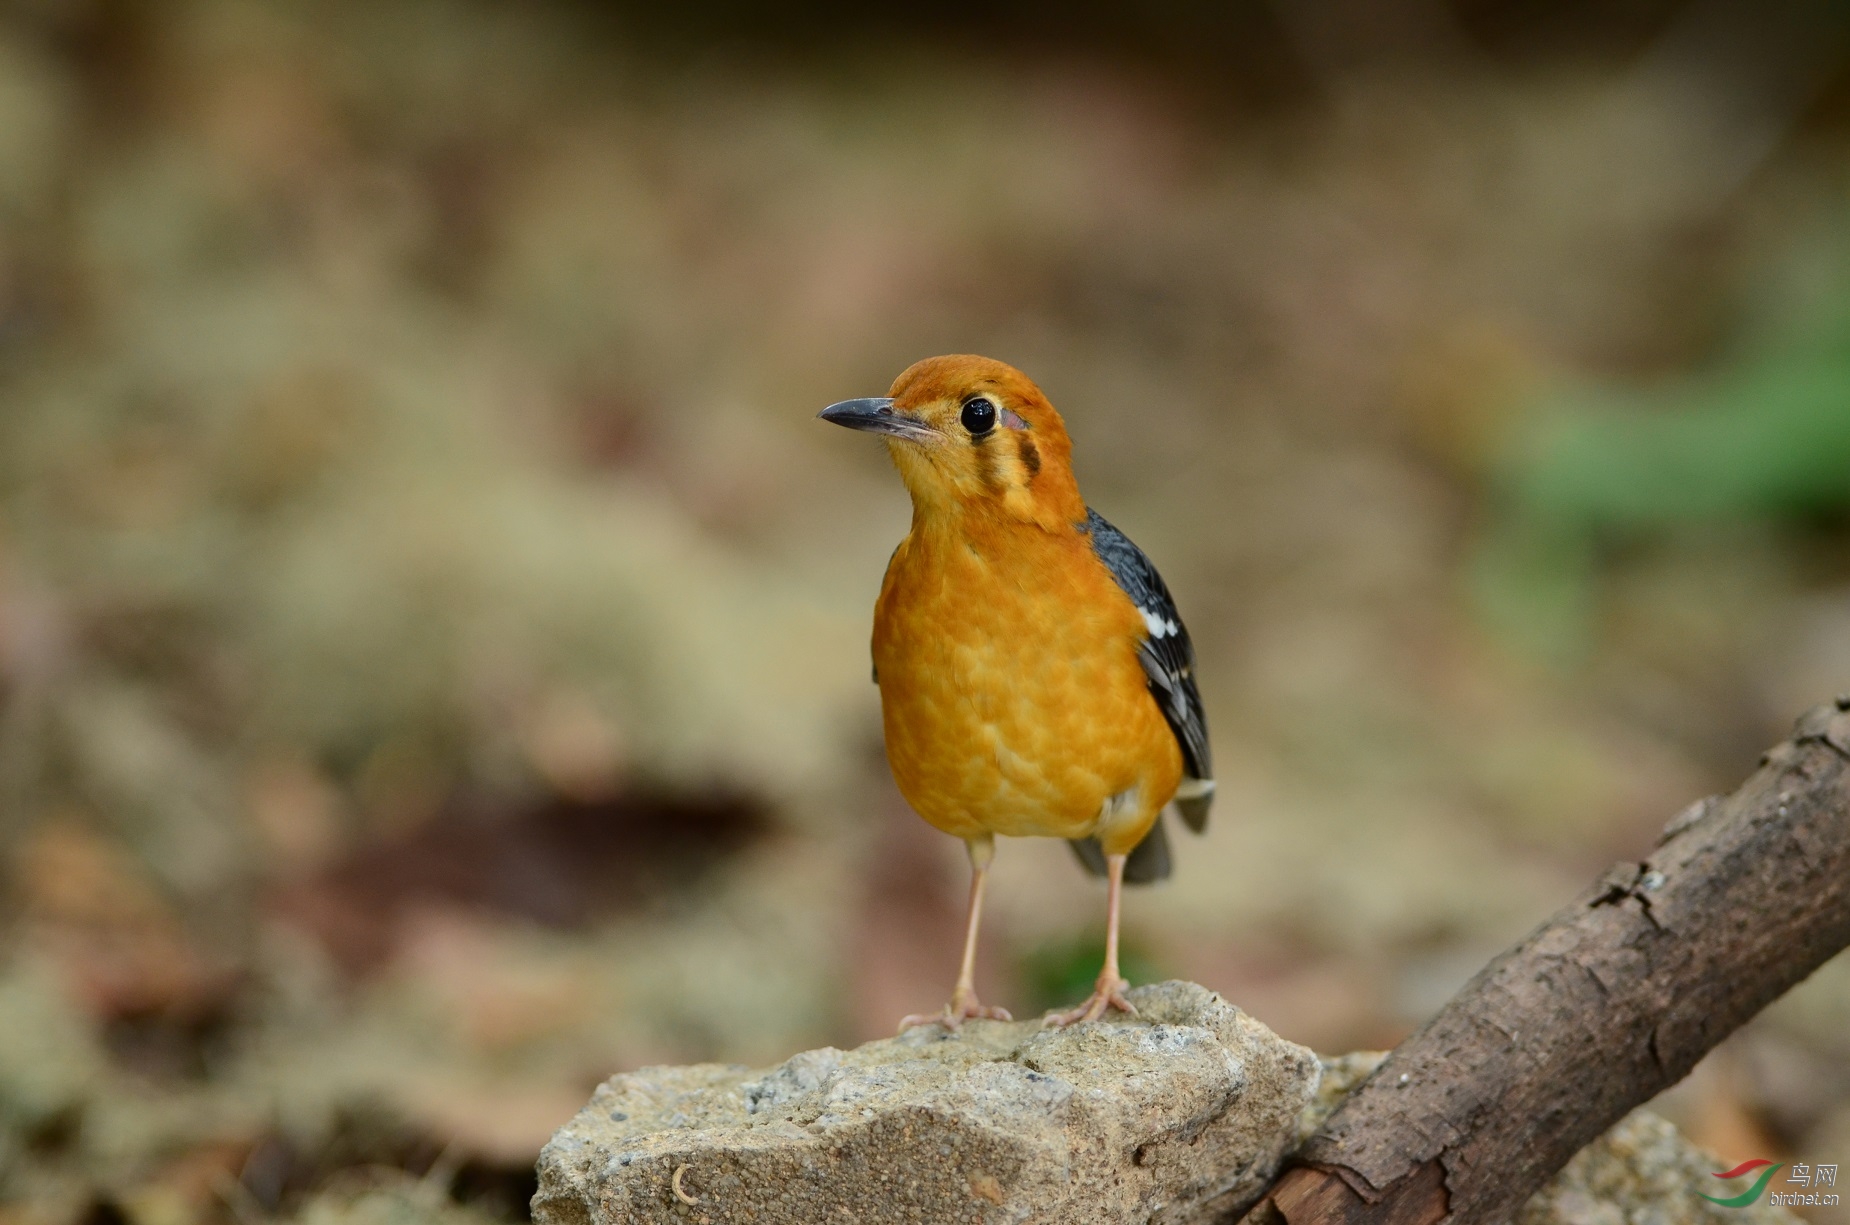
963	1004
1108	994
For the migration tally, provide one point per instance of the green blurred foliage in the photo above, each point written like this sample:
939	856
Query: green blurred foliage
1762	437
1061	972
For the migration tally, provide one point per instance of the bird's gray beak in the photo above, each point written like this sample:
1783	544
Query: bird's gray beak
875	414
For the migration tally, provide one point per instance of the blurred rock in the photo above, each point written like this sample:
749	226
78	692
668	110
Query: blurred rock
1642	1172
393	1201
91	909
1180	1114
50	1060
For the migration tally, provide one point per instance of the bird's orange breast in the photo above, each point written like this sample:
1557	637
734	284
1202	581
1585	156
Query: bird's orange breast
1012	695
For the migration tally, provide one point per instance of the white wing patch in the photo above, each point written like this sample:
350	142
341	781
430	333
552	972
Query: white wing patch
1160	626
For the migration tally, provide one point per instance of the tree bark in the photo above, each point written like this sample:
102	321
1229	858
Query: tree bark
1610	1001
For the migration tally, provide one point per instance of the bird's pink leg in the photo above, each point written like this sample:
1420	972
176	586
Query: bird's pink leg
1109	991
963	997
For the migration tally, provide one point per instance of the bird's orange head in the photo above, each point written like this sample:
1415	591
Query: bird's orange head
971	433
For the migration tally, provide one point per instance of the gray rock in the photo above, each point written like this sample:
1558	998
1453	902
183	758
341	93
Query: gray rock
1179	1115
1643	1172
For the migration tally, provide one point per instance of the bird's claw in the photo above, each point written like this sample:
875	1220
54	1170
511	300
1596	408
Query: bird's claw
1107	995
953	1014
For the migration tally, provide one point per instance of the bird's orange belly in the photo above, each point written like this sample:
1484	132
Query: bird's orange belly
995	724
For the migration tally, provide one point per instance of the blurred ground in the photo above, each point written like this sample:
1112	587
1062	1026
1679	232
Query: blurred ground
433	629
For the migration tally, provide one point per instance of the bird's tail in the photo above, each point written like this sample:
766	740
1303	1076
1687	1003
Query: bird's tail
1147	863
1193	799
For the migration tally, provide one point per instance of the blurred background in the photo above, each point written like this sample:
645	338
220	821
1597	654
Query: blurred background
433	627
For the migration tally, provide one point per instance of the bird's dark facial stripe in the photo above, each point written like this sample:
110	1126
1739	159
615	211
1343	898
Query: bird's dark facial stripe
995	468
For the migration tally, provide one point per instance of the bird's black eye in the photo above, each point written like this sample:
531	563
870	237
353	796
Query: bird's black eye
979	415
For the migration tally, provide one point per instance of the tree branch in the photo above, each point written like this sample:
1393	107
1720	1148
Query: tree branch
1610	1001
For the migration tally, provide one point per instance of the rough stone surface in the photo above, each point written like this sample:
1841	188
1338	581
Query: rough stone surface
1643	1172
1179	1115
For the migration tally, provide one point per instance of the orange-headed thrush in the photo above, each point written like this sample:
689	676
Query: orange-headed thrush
1035	677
